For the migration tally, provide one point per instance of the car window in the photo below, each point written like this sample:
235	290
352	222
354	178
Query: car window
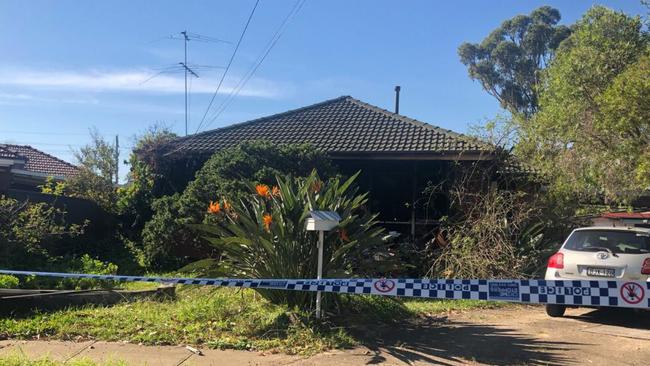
625	242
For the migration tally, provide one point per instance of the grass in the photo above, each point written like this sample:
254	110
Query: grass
432	307
224	318
21	360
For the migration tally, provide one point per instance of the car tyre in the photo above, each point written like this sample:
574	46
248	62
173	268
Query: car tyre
555	311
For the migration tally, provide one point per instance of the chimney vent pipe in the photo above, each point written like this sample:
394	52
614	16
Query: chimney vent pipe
397	90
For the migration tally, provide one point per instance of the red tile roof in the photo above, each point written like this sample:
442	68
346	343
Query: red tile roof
627	215
38	161
4	153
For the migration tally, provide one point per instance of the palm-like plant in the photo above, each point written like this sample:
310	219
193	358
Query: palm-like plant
264	235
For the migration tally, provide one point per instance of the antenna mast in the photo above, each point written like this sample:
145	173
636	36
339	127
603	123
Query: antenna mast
186	69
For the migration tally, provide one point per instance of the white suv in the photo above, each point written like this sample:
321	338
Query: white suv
598	253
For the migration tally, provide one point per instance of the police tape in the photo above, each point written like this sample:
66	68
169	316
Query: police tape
630	294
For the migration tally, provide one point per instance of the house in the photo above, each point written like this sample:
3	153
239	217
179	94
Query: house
398	156
624	219
25	168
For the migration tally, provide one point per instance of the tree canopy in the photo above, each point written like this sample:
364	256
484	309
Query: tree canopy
97	162
590	134
507	62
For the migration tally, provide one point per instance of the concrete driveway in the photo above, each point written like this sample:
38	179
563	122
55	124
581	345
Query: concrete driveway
519	335
514	335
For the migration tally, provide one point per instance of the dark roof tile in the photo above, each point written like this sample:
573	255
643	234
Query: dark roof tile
341	125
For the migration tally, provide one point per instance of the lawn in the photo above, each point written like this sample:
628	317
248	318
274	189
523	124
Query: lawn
224	318
21	360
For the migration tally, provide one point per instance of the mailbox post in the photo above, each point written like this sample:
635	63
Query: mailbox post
321	221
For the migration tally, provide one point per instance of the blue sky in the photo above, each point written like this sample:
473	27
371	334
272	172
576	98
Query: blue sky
68	66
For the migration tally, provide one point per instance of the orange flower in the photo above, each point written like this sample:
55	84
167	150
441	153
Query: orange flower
262	190
267	221
275	191
343	234
316	186
226	205
214	207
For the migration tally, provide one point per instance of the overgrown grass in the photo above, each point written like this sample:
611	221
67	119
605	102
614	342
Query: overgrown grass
22	360
223	318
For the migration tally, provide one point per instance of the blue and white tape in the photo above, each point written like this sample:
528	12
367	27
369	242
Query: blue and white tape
630	294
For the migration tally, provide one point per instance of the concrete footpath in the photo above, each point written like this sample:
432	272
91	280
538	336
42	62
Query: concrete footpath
132	354
522	335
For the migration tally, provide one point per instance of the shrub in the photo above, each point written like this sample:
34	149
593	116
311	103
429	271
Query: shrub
167	242
485	241
29	232
87	264
7	281
264	235
500	225
83	264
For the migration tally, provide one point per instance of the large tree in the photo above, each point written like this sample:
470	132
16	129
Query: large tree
590	135
99	157
144	182
97	162
507	62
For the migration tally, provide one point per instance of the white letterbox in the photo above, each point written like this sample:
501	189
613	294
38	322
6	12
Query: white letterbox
322	220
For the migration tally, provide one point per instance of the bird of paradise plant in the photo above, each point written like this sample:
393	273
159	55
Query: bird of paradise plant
268	238
262	190
214	207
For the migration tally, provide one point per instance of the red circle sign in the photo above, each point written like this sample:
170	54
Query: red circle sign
384	285
632	293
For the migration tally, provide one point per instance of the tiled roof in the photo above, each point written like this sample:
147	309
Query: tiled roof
341	125
39	162
626	215
4	153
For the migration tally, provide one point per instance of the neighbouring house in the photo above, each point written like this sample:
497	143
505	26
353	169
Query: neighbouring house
624	219
24	168
398	156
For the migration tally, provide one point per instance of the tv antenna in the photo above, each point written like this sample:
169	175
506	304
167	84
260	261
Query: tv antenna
188	69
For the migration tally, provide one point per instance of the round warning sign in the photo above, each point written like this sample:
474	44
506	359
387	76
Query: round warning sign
632	293
384	285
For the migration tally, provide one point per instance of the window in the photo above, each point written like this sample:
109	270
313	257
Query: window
624	242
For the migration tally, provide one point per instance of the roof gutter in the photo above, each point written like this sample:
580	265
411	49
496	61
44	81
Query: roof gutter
416	155
28	173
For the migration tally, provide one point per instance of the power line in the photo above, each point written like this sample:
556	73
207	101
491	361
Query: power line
41	143
35	143
272	42
232	57
50	133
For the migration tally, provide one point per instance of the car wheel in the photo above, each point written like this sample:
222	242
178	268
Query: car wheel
555	311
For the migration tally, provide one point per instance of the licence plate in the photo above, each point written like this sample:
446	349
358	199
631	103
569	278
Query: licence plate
601	272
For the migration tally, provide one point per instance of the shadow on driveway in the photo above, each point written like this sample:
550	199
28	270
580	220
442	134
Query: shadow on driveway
621	317
450	342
